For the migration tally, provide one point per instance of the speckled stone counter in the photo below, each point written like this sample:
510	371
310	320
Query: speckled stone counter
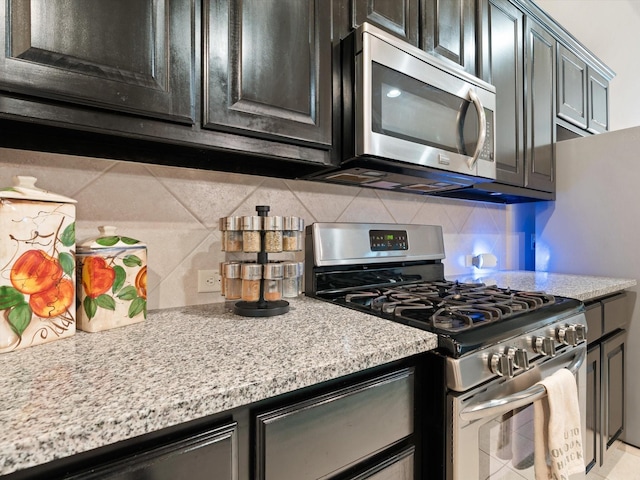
94	389
581	287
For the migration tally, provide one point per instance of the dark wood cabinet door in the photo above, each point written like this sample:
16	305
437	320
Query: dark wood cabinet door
540	60
134	57
597	102
613	365
572	87
593	445
399	17
502	66
449	31
267	69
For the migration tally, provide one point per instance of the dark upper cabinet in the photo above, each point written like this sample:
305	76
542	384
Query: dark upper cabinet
56	50
597	102
449	31
572	87
502	66
399	17
267	69
583	91
540	61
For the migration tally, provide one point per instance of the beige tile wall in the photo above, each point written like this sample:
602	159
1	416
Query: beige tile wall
175	211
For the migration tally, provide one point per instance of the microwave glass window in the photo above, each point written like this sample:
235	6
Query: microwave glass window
408	109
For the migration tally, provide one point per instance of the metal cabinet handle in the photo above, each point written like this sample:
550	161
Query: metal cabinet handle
482	134
502	405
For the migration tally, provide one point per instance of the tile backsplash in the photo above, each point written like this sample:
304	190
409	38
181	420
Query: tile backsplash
175	211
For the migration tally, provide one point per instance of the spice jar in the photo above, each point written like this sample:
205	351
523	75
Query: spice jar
292	281
251	278
292	234
37	265
113	291
233	280
273	234
232	234
251	233
273	273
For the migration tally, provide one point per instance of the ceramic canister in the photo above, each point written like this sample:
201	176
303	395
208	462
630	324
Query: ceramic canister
37	265
112	281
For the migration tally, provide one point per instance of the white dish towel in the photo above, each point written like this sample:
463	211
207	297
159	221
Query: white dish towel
557	436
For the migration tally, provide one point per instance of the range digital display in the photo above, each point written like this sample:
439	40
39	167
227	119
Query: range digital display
388	240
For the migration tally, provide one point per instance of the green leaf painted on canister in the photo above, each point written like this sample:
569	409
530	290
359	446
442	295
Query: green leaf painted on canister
128	293
20	317
90	307
121	276
10	297
129	241
137	305
106	301
67	263
132	261
107	241
68	237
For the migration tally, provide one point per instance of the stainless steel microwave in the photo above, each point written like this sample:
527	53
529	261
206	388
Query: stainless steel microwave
410	121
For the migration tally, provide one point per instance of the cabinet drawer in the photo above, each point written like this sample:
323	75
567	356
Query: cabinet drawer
210	455
399	467
615	313
327	434
594	321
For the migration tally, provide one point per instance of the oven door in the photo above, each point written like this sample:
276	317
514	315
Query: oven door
492	425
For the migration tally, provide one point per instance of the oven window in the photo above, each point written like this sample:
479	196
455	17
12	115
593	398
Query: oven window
506	446
406	108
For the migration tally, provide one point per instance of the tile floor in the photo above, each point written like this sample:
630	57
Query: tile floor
623	463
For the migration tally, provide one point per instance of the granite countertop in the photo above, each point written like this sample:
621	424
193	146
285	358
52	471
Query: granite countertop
94	389
581	287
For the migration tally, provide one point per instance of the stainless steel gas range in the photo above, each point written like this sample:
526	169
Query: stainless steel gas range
494	343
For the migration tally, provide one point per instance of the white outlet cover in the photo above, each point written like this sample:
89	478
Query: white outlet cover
208	281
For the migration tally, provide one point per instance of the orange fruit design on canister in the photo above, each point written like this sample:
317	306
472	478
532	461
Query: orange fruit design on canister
54	301
141	282
97	276
34	272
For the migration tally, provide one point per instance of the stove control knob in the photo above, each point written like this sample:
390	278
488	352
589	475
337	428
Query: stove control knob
567	335
501	364
545	346
581	332
520	357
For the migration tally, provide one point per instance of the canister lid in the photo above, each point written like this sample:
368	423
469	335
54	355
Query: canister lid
109	239
251	271
293	269
232	223
272	223
252	222
273	271
293	223
24	188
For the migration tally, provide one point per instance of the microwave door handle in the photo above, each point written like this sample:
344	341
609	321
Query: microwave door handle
492	408
482	134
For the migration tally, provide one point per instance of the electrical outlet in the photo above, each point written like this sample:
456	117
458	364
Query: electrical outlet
208	281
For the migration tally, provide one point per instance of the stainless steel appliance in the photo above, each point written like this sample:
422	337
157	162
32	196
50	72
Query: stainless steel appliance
494	344
411	122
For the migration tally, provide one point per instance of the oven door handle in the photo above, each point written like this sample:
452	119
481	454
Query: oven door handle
503	405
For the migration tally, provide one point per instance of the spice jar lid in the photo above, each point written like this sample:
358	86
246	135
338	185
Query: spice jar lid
233	270
273	271
292	223
252	222
251	271
292	269
109	239
24	188
272	223
232	223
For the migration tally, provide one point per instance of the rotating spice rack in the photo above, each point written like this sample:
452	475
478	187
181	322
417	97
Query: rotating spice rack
261	234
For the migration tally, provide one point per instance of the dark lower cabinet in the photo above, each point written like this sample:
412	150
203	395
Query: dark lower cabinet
607	320
364	426
212	455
